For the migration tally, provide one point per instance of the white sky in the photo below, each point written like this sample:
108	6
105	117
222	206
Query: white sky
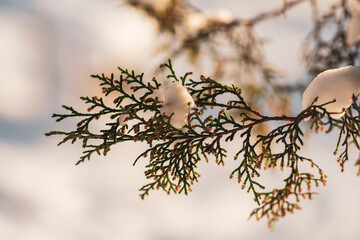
49	51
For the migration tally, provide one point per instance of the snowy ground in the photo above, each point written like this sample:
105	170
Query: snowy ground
47	52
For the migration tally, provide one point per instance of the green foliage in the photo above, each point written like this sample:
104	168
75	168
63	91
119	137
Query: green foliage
173	154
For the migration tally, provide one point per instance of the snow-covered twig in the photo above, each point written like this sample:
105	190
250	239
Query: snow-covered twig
199	133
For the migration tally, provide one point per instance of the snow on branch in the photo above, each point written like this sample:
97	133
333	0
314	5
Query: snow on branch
189	121
185	121
338	85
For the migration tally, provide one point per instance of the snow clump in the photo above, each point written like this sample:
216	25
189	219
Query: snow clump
198	21
177	103
122	120
195	22
339	84
221	15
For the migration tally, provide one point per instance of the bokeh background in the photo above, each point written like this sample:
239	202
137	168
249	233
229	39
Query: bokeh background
48	49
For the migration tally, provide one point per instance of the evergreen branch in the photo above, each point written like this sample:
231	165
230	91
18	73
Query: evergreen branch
173	154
